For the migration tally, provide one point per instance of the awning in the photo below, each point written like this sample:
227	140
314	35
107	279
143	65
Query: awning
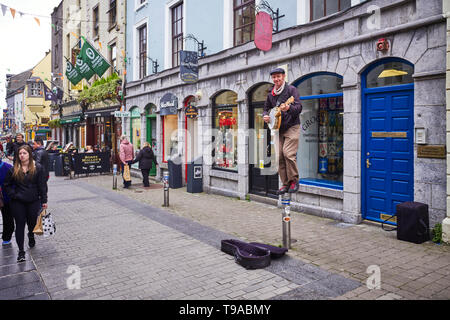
70	120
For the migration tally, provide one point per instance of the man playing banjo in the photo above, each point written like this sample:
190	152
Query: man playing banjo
289	131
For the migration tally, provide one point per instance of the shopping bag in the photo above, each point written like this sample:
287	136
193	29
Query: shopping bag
38	229
49	225
126	173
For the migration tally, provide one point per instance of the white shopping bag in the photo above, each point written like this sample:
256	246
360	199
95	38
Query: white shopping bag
48	225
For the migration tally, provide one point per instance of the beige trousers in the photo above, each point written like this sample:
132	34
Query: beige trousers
288	146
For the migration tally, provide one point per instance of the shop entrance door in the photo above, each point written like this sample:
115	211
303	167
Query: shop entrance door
151	138
387	166
262	155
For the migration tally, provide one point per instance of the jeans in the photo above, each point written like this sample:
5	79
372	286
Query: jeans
25	213
145	173
8	222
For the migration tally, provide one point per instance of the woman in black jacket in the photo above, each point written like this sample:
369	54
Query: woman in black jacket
26	186
145	157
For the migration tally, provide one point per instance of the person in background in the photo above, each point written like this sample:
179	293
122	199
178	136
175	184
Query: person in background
126	156
89	149
146	157
8	219
40	155
26	187
54	148
13	153
9	146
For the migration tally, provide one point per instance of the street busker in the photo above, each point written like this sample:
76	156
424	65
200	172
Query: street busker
26	187
8	220
40	155
146	157
126	157
14	147
289	132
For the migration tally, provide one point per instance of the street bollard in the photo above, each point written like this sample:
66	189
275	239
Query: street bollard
166	188
286	220
115	177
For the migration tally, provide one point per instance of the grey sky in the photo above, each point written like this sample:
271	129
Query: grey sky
24	43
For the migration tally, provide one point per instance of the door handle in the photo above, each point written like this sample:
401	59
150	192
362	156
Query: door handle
368	164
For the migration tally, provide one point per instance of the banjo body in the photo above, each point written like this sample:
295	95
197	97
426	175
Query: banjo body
275	115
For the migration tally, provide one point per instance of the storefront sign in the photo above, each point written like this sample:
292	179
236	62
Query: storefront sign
91	162
71	120
431	152
189	66
263	31
119	114
168	104
191	112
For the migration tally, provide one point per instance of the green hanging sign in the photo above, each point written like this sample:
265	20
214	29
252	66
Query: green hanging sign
84	69
73	74
93	59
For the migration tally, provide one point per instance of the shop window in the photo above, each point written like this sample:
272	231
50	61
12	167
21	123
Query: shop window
135	127
320	154
390	74
225	120
170	136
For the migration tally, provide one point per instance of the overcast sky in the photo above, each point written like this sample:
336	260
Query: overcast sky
23	42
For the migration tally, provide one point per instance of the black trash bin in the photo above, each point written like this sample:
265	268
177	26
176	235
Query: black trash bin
175	172
51	161
195	176
58	165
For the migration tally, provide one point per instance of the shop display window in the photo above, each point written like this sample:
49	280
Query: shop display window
320	154
170	136
225	141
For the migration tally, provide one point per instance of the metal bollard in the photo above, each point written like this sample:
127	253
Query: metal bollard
286	220
114	176
166	188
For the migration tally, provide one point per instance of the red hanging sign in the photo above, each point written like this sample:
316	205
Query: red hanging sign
263	31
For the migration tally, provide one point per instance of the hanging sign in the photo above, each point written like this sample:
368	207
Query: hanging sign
168	104
73	74
189	66
191	112
263	31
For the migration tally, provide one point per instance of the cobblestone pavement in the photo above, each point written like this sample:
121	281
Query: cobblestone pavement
125	249
407	270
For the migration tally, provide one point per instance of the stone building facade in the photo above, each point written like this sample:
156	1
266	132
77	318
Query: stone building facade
344	48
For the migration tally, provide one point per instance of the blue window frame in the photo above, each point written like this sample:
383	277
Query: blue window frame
320	155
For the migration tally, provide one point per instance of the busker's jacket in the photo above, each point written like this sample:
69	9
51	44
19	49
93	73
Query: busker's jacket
288	118
145	157
126	151
4	168
40	156
30	189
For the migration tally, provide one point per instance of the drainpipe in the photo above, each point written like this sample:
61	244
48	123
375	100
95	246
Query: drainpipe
446	221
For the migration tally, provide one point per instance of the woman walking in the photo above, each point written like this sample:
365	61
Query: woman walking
26	186
146	157
126	156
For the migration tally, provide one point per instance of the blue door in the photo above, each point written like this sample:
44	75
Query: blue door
388	151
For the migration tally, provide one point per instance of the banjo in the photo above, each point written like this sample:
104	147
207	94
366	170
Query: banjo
275	115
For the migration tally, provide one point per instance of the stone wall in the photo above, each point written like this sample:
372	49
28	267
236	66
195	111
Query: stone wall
344	44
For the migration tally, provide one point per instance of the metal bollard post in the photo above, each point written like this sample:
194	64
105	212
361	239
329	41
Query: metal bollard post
114	176
166	188
286	220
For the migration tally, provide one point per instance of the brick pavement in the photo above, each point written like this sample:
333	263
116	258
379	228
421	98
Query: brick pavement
126	249
408	271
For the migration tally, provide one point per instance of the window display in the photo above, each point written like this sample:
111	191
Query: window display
320	154
170	136
226	121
